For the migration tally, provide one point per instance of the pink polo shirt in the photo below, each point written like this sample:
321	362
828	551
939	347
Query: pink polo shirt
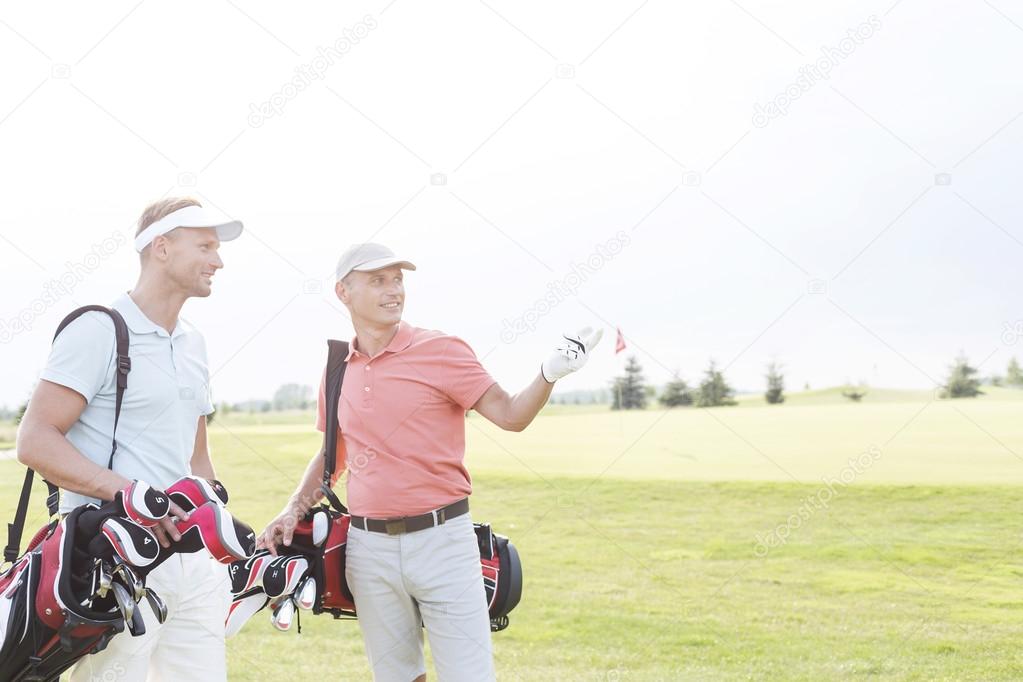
402	416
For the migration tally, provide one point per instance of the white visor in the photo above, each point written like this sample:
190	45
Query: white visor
189	216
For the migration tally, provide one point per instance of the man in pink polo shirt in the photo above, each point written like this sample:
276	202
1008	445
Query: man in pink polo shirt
402	422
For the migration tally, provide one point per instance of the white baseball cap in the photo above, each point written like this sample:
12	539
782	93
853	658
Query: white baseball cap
189	216
367	257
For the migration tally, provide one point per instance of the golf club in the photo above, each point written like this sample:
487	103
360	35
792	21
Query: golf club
283	575
131	542
157	604
191	492
305	594
283	614
124	602
138	623
104	581
243	607
321	526
143	504
129	579
248	574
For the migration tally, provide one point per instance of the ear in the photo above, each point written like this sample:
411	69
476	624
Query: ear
159	247
341	291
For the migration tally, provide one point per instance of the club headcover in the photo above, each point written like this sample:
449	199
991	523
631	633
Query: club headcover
226	538
243	607
249	573
321	527
283	574
142	503
191	492
135	545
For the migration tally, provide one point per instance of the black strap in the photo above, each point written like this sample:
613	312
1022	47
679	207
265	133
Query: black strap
123	361
337	363
14	530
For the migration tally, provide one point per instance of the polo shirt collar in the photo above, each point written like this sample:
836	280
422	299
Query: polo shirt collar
402	340
137	320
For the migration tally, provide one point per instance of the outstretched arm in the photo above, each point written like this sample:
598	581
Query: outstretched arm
516	412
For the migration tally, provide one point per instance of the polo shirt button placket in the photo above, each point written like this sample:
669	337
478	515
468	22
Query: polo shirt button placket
367	393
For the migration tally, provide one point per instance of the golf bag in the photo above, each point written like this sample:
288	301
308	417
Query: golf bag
46	621
320	538
502	574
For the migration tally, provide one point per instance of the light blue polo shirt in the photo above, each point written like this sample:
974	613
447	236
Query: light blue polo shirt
168	390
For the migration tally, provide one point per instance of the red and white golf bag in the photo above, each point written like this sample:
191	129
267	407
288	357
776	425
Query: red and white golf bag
44	627
82	578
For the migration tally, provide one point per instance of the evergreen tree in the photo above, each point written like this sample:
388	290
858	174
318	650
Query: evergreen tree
775	385
1013	374
714	390
629	390
962	380
677	393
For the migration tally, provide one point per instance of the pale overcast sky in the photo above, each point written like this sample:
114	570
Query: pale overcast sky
732	200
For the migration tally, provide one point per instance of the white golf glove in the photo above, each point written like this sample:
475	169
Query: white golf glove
570	355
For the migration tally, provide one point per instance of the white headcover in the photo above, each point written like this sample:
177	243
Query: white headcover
189	216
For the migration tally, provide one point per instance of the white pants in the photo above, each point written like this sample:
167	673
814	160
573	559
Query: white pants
189	646
431	577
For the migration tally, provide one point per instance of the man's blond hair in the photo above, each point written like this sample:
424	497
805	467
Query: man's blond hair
161	209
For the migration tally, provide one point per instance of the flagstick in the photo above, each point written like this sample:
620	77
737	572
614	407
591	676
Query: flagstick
621	410
619	339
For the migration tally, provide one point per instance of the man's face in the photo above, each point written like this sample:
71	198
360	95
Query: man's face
193	259
377	297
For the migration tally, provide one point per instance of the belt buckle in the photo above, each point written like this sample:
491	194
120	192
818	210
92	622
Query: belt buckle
395	527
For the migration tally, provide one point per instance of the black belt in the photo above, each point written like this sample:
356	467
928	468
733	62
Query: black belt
409	524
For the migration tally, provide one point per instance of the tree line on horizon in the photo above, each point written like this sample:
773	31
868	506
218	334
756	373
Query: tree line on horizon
630	391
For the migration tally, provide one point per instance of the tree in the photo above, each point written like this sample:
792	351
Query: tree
629	391
714	390
677	393
775	384
962	380
21	413
1013	374
292	397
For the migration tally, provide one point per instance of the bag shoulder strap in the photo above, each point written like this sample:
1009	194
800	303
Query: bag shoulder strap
123	360
15	529
337	363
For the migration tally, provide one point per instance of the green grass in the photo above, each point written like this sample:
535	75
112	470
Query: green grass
639	536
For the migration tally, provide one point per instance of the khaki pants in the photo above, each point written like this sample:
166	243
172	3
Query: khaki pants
431	577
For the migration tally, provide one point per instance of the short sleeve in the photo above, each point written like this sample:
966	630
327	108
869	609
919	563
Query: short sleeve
207	407
321	404
82	356
465	380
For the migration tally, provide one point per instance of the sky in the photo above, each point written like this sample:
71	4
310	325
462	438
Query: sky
831	186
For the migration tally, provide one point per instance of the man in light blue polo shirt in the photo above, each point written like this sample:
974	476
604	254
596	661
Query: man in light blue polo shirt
161	435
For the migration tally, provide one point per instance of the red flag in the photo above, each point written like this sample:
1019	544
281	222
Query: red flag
620	342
